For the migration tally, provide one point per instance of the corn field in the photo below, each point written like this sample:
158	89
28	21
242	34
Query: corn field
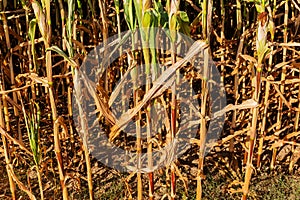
148	73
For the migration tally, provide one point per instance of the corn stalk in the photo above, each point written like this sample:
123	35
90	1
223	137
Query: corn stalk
129	7
3	106
59	122
283	77
9	168
206	30
174	27
149	24
267	88
262	50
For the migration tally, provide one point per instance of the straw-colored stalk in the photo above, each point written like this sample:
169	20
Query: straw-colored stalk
5	110
295	151
134	75
63	27
204	19
9	167
138	146
148	23
249	166
40	182
263	126
89	170
297	118
6	152
236	91
222	40
173	125
174	7
11	69
146	54
283	75
46	32
266	98
239	16
59	122
154	75
4	119
44	22
129	7
71	34
206	22
262	49
203	131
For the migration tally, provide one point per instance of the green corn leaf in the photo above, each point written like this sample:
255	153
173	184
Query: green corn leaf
22	2
146	23
129	14
79	5
183	16
31	31
61	53
40	16
184	22
262	53
271	28
31	34
162	15
147	18
91	7
259	8
71	9
138	5
69	26
117	6
173	25
32	122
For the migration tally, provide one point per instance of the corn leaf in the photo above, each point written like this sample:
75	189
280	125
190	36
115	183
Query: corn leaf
61	53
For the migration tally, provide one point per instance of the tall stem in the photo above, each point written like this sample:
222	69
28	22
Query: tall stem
283	75
204	93
59	157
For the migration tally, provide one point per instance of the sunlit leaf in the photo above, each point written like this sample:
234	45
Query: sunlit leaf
129	14
61	53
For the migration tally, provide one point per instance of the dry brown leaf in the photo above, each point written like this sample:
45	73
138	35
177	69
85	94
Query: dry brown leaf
159	86
250	103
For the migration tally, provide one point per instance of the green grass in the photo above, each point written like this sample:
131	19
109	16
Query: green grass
264	187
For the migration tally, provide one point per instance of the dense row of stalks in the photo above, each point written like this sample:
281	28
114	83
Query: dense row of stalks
254	44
